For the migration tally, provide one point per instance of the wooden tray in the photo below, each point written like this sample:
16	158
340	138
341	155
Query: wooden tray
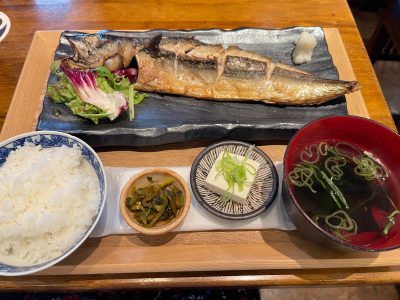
191	251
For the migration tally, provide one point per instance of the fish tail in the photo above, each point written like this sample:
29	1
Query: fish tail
352	86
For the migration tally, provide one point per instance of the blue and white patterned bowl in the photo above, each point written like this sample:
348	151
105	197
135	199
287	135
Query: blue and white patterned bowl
51	139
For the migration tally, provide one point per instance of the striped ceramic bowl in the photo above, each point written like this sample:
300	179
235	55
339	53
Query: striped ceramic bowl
262	192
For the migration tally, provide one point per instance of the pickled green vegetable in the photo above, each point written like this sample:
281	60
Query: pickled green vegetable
158	201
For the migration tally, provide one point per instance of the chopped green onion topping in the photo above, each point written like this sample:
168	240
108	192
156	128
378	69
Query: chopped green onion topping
234	172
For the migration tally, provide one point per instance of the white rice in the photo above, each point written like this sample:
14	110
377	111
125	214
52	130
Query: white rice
48	200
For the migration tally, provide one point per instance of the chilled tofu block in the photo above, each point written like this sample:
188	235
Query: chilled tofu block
217	183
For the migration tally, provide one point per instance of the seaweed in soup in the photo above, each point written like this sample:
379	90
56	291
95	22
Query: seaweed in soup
345	190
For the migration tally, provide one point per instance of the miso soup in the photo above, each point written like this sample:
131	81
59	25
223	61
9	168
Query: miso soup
346	190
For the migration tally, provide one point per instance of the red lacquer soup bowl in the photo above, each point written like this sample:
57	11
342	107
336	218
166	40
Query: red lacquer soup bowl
341	183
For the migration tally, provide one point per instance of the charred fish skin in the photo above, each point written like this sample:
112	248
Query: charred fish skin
231	74
185	66
293	88
95	50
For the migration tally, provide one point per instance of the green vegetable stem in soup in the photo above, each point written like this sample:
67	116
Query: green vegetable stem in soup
155	202
346	191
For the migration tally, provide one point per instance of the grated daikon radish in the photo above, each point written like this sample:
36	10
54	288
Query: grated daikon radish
304	48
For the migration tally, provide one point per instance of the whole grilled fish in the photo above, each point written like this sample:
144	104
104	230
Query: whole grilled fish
188	67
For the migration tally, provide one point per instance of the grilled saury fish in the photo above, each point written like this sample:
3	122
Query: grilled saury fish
188	67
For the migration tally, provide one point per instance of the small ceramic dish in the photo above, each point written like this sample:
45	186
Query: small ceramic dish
5	25
157	175
262	192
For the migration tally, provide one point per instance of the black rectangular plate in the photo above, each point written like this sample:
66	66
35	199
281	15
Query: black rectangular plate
163	119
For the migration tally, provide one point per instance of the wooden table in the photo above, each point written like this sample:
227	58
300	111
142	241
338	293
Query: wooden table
30	16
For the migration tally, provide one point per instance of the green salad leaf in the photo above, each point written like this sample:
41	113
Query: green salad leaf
64	91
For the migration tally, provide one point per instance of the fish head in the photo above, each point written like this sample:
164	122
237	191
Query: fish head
94	50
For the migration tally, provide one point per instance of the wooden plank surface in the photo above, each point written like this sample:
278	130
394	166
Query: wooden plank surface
270	278
27	17
267	249
356	104
211	251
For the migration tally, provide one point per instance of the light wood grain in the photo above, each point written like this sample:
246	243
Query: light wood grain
336	277
196	251
28	17
211	251
355	102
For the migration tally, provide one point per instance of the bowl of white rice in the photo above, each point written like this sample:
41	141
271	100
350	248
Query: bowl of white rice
52	193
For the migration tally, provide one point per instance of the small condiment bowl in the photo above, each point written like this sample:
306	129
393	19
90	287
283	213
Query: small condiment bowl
140	180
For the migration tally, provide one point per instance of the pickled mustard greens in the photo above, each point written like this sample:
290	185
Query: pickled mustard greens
158	201
342	188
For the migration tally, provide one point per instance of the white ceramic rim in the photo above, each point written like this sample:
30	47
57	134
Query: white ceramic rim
66	254
5	23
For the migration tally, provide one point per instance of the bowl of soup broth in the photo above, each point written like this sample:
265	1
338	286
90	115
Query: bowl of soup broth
341	183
